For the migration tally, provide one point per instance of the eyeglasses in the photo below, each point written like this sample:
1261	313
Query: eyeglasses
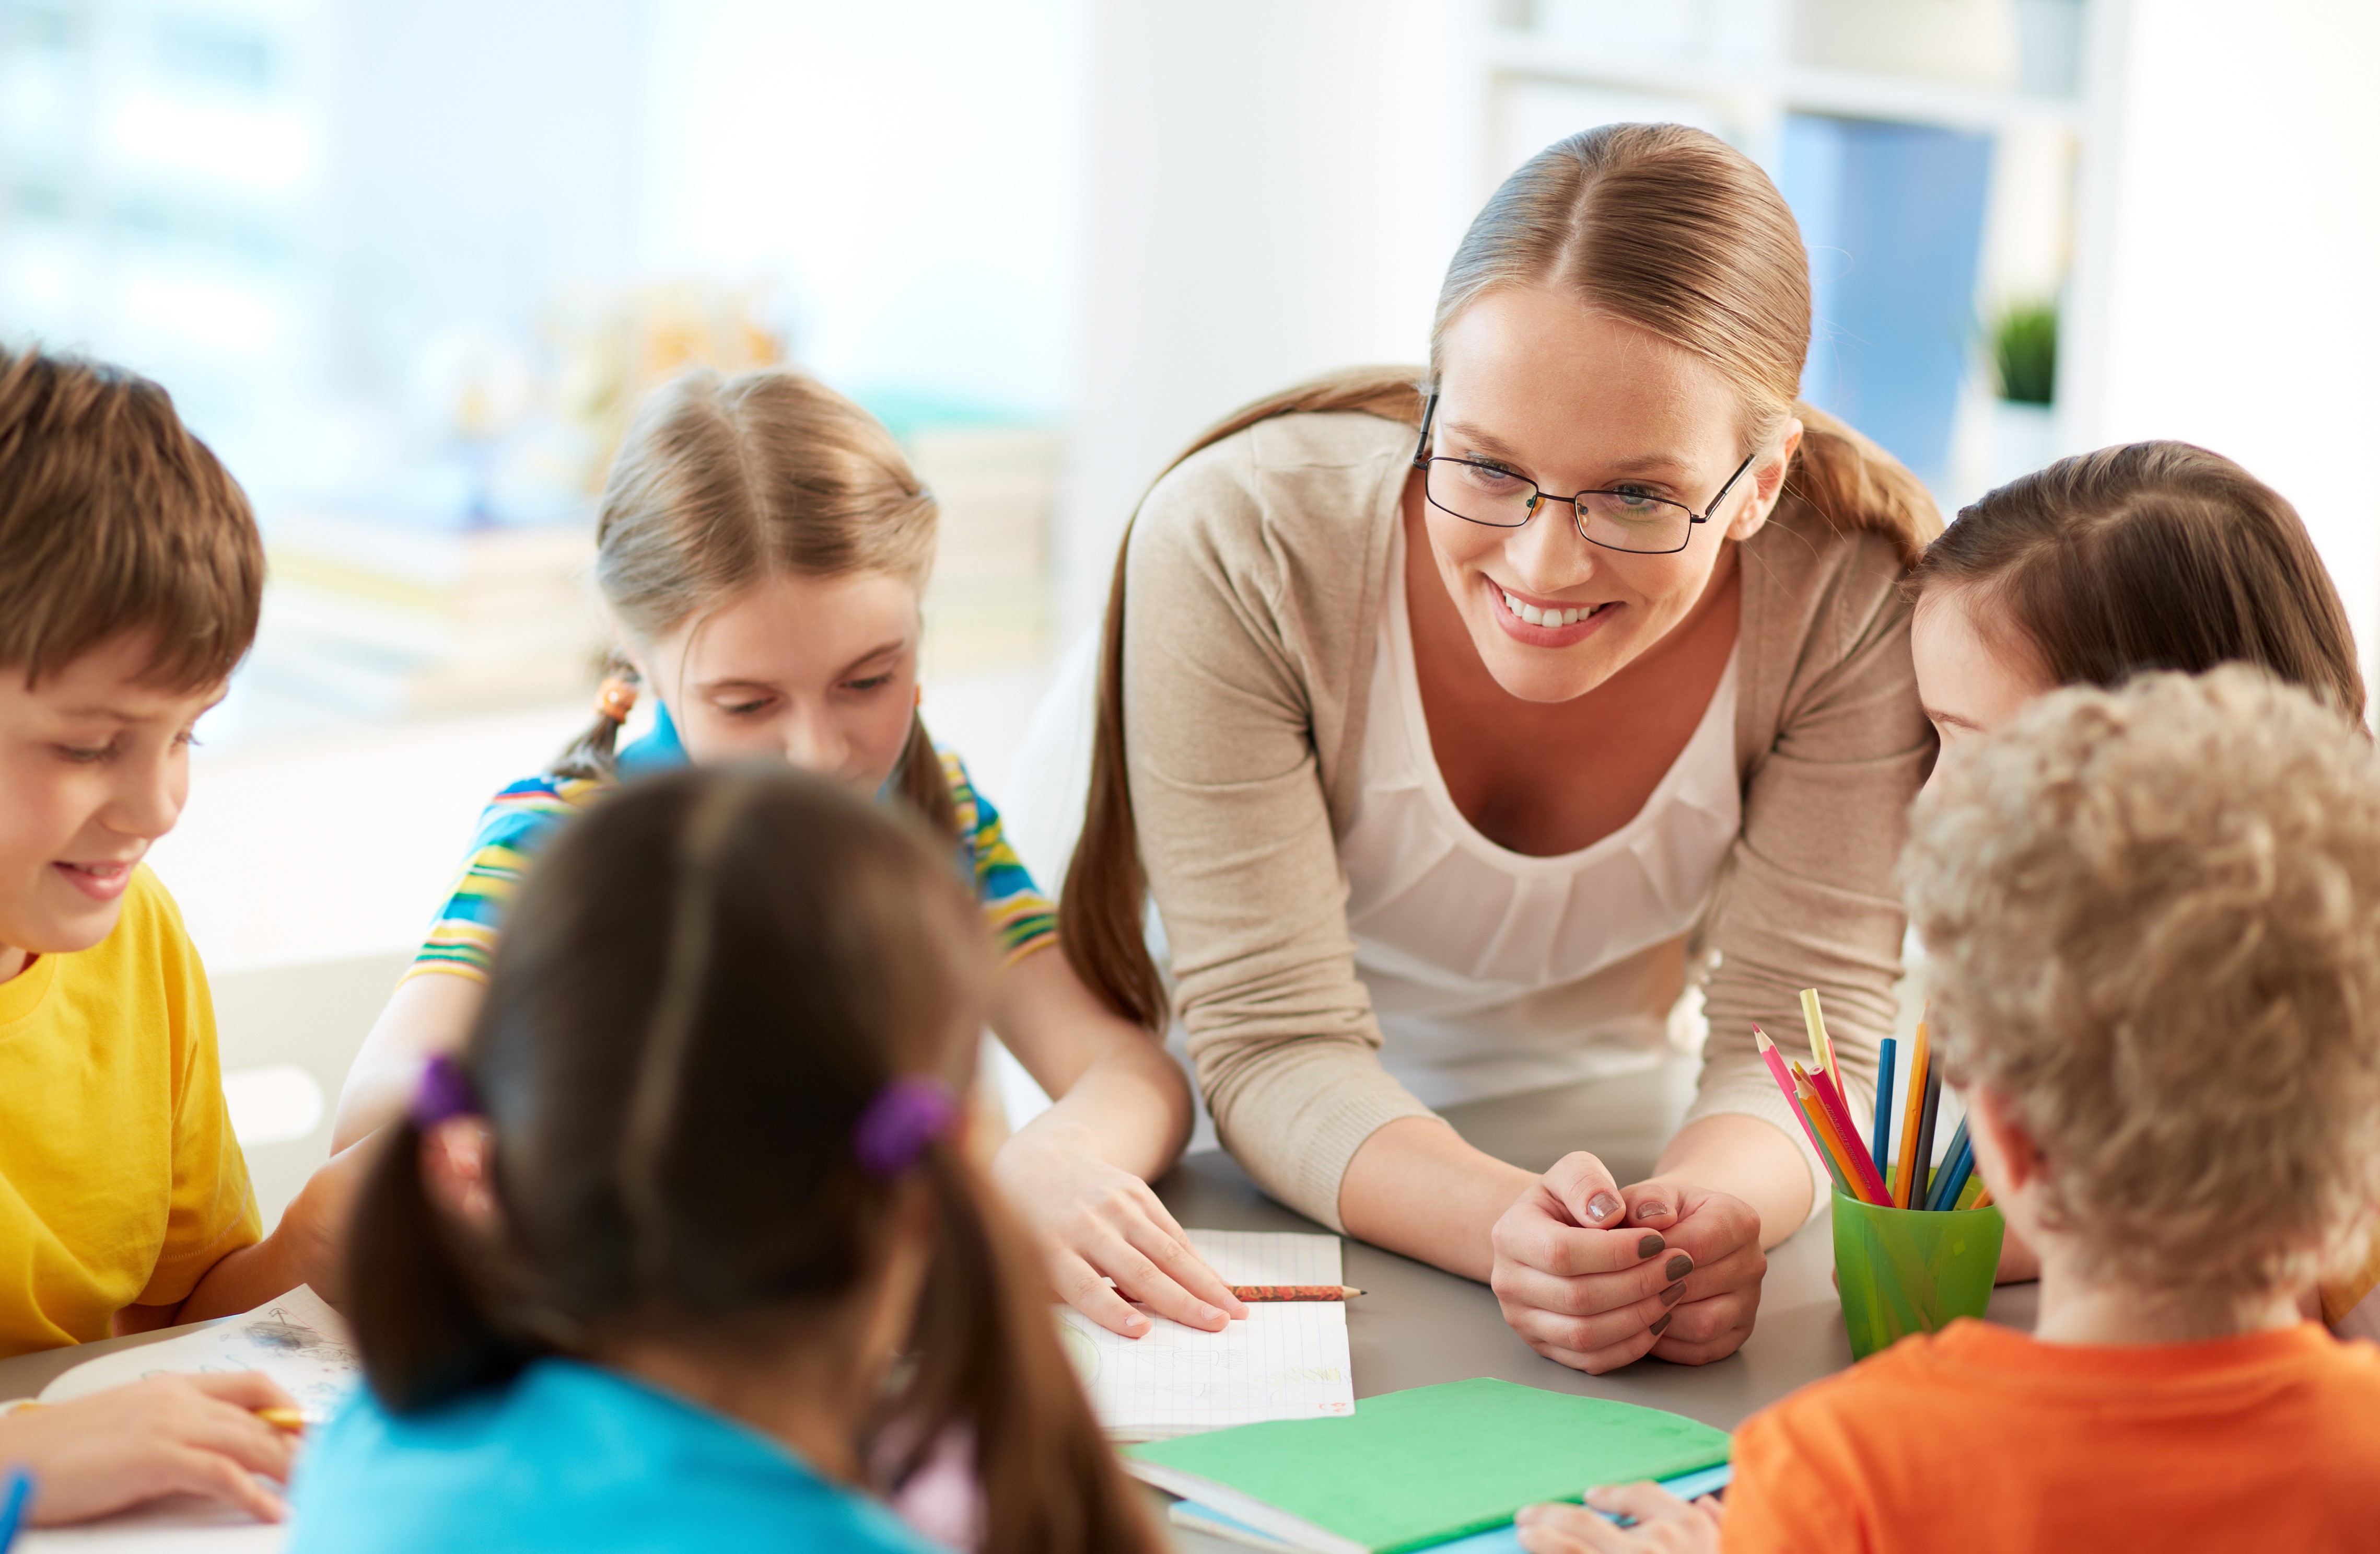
1625	520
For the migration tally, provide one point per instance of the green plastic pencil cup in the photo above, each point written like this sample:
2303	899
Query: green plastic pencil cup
1908	1270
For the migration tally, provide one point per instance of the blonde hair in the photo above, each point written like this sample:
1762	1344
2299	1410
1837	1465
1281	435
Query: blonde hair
1666	228
724	482
2152	916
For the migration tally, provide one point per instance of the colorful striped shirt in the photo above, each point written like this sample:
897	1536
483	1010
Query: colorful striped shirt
462	940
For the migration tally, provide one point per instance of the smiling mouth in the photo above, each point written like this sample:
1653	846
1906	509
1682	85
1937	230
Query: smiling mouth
1529	615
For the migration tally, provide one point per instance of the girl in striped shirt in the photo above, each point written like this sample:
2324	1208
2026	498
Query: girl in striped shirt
762	547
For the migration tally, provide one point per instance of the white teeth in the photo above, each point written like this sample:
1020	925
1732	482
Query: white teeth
1535	616
1569	617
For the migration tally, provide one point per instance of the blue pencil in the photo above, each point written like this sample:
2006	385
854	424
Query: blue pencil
12	1509
1881	1144
1954	1174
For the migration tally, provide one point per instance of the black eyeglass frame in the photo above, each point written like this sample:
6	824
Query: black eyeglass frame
1423	458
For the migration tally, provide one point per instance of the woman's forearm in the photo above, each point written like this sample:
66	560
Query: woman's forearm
1415	1187
1131	1109
1744	1157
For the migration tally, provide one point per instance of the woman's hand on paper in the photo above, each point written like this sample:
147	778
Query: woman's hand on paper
1664	1524
1095	1223
169	1434
1721	1233
1578	1281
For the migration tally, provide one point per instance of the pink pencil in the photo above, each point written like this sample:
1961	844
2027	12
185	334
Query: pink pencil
1785	1082
1838	1114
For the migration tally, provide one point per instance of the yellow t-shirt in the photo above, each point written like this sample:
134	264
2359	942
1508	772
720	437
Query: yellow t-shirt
120	1180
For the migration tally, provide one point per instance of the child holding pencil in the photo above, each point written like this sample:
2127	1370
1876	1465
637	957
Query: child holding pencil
635	1272
2154	918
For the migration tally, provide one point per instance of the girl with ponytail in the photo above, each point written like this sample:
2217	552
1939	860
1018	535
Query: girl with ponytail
1455	719
637	1266
762	547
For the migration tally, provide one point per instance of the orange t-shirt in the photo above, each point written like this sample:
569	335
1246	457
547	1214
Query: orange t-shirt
1980	1438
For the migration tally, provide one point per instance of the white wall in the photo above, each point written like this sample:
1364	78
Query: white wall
1266	202
2238	307
912	172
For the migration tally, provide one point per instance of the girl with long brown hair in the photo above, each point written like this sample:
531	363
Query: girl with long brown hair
636	1267
1455	719
762	548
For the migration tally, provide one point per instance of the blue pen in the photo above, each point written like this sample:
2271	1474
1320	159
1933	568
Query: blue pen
12	1509
1880	1143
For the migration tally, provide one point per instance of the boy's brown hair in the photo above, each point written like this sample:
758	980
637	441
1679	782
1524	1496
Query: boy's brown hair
113	518
2153	921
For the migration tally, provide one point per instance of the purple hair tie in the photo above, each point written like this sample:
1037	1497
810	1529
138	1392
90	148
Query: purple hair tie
445	1091
907	1114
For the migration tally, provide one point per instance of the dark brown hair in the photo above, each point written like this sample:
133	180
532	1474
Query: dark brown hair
2150	555
722	483
703	984
113	518
1663	227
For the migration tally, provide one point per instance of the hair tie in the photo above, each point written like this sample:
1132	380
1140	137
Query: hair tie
445	1091
615	698
907	1114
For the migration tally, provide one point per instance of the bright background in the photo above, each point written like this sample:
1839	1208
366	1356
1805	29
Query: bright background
407	266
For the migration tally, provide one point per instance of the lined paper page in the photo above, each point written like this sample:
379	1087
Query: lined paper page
1287	1361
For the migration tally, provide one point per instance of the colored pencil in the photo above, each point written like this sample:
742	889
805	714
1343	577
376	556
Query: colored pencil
1881	1145
1920	1055
1294	1291
1834	1143
12	1508
1935	1197
1983	1199
1822	1049
1776	1061
1957	1166
1840	1114
1921	1187
1834	1172
290	1419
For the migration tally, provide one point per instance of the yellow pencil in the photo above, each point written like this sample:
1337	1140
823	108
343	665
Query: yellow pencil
1822	1050
290	1419
1904	1175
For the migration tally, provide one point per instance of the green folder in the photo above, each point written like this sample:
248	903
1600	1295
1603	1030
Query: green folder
1419	1467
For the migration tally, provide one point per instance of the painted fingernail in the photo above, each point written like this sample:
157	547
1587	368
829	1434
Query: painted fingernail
1649	1245
1652	1212
1664	1322
1602	1206
1680	1266
1669	1296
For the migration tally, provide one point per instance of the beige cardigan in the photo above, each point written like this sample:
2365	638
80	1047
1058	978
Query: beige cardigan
1255	577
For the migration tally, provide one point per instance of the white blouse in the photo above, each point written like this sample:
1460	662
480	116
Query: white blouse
1493	972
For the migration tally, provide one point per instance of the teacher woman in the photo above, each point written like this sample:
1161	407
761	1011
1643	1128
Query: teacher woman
1452	729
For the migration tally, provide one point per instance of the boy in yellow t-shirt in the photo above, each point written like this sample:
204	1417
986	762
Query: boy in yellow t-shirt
130	572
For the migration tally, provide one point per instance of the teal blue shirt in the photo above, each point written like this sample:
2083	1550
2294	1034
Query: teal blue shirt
576	1460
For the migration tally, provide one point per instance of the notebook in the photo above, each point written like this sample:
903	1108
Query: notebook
1505	1539
296	1340
1288	1360
1411	1469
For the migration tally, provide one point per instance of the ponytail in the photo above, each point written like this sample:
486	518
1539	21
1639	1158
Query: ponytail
594	755
989	1361
1101	906
919	779
1859	488
421	1323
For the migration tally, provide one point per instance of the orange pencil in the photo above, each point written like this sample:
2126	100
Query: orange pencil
1294	1291
1832	1140
1904	1175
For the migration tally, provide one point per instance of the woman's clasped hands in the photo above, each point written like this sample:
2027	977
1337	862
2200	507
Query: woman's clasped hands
1598	1276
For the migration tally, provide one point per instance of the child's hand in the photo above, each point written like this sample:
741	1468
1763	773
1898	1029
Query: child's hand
1664	1524
170	1435
1095	1222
